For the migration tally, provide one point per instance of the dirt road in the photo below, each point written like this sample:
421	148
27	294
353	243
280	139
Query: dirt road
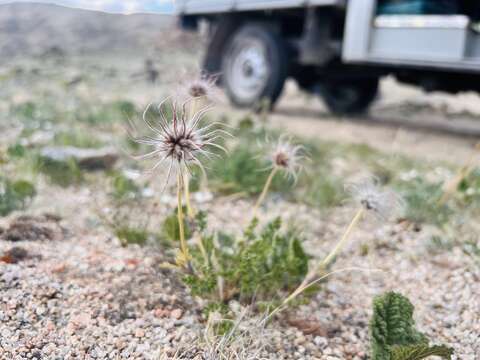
404	120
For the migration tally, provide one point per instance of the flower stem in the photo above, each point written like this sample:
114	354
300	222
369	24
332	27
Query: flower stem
344	239
266	187
186	183
313	277
183	244
186	189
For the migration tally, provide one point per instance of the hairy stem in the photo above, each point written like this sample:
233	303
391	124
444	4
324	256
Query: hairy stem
194	105
266	187
313	277
186	189
183	244
344	239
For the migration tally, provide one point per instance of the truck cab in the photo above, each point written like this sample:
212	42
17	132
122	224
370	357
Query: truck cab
338	49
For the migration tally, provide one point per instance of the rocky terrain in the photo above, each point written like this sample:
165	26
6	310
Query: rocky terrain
71	287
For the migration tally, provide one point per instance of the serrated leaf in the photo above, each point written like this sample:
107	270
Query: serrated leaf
419	352
392	324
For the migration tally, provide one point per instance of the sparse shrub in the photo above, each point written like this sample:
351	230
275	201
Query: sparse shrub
124	188
439	243
127	221
77	138
393	334
16	150
15	195
125	107
469	187
244	126
258	265
219	316
131	235
63	173
423	202
472	248
107	113
34	113
241	172
26	110
324	191
362	151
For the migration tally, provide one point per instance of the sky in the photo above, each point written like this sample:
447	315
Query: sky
115	6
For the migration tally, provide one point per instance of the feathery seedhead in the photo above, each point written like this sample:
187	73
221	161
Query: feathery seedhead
382	203
202	86
180	141
286	156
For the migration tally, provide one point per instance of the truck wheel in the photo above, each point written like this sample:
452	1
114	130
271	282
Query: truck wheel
349	97
254	66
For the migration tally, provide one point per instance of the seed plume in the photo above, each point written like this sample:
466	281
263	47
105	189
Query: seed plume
286	156
179	141
202	86
382	203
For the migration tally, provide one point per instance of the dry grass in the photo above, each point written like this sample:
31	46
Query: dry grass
246	339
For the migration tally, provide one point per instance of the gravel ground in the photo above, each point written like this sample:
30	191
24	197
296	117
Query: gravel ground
68	290
77	293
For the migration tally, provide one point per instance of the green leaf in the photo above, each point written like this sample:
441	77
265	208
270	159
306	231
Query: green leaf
421	351
258	266
392	324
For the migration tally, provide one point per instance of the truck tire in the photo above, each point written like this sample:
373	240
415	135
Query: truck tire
254	66
349	96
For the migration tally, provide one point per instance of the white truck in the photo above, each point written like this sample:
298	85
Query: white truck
337	48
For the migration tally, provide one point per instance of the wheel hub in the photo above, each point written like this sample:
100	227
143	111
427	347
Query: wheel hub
248	70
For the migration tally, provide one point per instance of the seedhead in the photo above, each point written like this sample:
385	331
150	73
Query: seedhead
201	87
285	156
179	141
383	204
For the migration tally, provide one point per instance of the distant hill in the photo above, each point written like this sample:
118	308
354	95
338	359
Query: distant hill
36	29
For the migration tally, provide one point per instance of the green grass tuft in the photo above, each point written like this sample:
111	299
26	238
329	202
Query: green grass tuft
16	151
423	202
124	188
241	172
62	173
77	138
324	192
106	114
15	195
131	235
469	188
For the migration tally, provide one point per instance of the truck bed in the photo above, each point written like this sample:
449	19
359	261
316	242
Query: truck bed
218	6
